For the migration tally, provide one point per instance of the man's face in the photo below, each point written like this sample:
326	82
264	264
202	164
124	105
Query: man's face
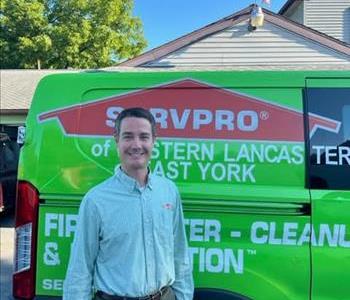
135	143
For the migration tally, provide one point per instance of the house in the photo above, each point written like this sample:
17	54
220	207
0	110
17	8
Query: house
329	17
16	93
283	42
304	35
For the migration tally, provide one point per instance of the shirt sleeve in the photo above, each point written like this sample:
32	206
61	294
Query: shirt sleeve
79	278
183	284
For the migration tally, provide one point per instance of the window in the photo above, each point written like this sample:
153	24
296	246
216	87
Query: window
328	124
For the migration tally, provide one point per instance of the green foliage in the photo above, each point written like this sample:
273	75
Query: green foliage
68	33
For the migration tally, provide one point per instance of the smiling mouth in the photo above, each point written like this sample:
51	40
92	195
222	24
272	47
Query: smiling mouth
136	154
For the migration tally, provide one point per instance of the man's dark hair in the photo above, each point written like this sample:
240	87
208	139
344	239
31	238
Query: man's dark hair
136	112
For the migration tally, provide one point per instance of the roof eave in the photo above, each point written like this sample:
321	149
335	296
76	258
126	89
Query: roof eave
287	6
229	21
13	111
307	32
187	39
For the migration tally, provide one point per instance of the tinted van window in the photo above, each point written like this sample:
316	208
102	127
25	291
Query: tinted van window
329	137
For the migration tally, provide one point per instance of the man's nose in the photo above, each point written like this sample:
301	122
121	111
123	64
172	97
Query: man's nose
136	143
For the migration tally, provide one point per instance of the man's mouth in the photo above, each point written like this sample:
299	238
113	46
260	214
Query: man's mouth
136	154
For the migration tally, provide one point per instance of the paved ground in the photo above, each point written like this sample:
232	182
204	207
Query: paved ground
6	253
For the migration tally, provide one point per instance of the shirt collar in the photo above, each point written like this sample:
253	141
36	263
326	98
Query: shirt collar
130	182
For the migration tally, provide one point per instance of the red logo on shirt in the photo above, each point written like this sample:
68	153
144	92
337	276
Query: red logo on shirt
168	206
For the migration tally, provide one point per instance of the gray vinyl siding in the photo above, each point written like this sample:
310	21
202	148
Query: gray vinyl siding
297	13
330	17
267	46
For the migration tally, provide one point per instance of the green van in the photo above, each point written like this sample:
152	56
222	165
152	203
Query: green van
262	161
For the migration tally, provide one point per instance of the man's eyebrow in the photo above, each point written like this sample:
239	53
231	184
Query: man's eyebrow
132	133
127	133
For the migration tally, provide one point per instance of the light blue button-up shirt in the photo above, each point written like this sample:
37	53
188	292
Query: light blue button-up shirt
130	241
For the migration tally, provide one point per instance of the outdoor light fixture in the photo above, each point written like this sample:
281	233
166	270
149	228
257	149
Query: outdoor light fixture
256	18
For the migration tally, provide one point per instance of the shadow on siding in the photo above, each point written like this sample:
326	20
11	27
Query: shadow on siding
346	26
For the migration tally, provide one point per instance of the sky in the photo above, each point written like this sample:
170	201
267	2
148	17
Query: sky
166	20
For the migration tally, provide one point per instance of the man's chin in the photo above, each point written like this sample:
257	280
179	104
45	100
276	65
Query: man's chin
136	166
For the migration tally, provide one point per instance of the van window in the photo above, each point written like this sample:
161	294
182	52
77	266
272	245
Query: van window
346	124
328	122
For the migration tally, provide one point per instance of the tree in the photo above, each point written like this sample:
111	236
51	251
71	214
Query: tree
68	33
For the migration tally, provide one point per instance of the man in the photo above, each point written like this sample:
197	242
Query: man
130	241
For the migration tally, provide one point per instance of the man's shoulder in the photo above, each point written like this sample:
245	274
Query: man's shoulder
102	187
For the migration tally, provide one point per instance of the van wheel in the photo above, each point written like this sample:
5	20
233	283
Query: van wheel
217	294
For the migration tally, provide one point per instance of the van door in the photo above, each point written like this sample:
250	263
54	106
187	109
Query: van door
329	182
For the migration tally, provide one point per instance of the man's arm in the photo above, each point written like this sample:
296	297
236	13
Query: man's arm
183	285
79	277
